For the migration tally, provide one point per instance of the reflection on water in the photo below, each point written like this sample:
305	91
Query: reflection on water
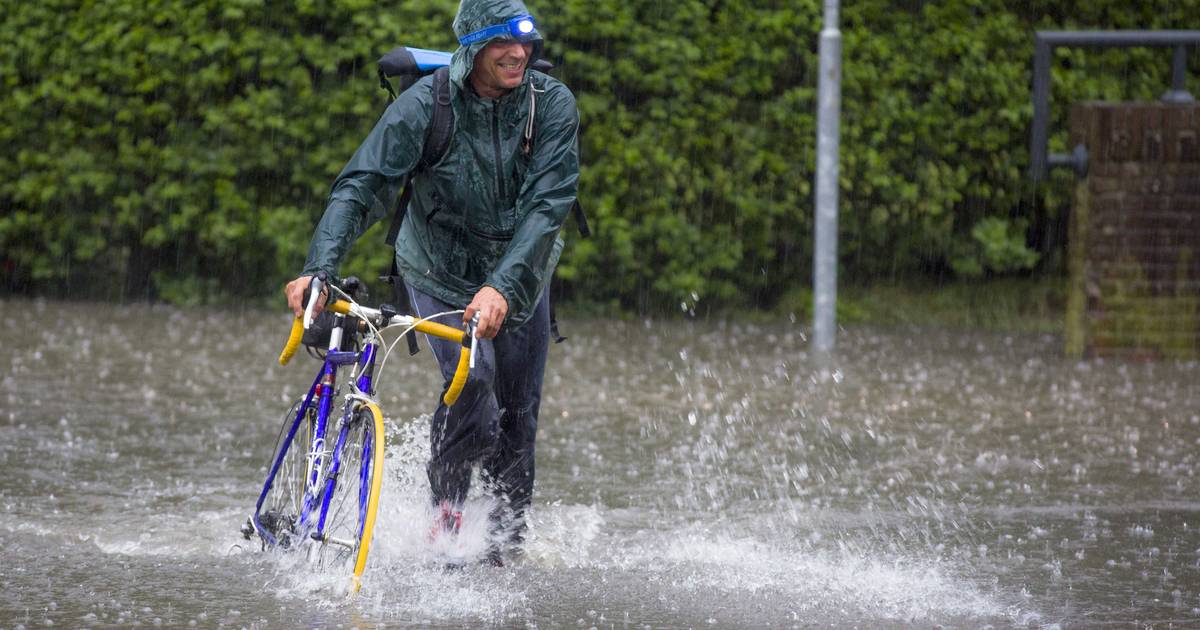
690	474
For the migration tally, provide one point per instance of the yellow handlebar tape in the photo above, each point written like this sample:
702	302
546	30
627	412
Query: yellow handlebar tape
440	330
464	358
460	377
293	342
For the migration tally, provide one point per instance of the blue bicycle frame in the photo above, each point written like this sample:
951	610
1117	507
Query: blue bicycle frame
323	389
302	495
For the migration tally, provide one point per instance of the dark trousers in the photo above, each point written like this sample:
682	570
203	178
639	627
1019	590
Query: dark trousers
494	421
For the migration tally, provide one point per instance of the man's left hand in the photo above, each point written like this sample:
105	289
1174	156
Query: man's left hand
492	309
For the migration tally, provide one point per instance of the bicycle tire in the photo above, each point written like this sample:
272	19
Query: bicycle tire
353	502
283	500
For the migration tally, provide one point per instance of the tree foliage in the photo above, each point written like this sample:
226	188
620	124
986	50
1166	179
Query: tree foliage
184	150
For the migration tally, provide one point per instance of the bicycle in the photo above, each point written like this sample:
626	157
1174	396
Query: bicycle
326	499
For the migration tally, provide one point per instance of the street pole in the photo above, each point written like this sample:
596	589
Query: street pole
825	260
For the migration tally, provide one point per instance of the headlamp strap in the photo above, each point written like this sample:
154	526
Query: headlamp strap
518	28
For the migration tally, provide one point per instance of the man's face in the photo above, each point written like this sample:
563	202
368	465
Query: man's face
499	67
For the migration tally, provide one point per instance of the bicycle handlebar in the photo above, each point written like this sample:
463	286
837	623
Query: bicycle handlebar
442	331
298	328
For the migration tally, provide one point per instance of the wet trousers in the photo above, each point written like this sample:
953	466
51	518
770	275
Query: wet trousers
494	422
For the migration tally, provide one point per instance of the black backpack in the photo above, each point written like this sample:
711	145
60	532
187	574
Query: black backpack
407	65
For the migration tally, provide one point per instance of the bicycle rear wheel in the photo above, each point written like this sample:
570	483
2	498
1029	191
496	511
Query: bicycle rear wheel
282	503
353	493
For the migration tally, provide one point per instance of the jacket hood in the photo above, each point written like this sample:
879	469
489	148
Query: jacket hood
474	15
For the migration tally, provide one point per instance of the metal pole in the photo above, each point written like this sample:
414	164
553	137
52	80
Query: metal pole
1177	93
829	99
1041	107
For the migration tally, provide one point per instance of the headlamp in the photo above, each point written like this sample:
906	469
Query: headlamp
519	28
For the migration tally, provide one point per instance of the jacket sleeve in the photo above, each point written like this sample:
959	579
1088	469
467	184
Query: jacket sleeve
545	198
367	187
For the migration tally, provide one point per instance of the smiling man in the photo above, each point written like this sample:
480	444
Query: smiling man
481	234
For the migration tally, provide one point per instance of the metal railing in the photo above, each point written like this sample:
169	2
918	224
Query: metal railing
1044	44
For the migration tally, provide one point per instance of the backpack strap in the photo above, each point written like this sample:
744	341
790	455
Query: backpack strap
554	334
437	141
527	142
441	123
580	219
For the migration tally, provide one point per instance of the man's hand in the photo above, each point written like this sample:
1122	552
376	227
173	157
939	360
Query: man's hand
492	309
294	291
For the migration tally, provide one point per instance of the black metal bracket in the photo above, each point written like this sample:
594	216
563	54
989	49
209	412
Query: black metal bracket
1044	44
1077	161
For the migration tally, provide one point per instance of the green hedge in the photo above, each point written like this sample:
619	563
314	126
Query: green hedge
184	150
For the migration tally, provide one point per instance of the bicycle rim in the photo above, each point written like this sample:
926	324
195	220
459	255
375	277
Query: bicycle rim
280	513
354	500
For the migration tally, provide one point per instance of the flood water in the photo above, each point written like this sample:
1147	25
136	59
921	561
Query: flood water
690	474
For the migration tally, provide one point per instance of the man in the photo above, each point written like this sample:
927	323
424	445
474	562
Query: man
480	234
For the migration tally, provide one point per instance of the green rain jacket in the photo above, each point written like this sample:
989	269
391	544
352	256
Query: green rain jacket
487	214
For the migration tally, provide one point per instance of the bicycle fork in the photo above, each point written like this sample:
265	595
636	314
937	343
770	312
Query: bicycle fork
317	454
349	418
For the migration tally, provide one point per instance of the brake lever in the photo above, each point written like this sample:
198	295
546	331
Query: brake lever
474	338
314	294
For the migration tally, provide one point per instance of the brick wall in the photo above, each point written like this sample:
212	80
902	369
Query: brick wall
1134	251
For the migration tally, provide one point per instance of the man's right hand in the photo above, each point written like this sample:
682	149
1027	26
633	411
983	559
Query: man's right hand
492	308
294	291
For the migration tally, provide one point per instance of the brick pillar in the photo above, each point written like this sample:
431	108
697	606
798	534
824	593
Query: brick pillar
1134	250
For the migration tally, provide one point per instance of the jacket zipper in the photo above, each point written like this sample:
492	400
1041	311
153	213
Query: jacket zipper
496	144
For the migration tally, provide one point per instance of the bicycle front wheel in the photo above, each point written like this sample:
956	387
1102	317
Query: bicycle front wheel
352	494
278	518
